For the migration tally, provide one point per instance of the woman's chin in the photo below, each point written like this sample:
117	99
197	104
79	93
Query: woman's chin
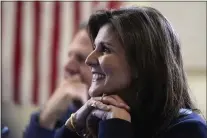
95	92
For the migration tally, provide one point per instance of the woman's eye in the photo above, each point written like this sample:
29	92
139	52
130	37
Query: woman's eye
106	50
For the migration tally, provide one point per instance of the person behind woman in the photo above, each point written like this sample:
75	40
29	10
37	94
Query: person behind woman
69	95
139	88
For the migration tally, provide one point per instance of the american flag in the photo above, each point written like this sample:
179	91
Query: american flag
35	39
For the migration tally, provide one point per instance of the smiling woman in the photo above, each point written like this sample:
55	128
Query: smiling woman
111	72
137	65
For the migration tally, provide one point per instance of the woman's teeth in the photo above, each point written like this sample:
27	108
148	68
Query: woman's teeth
97	76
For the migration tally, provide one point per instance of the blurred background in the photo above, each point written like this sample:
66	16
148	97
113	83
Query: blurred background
36	36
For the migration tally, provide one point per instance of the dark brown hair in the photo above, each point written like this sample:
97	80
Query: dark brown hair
153	53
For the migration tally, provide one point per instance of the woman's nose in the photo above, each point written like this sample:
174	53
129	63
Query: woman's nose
92	59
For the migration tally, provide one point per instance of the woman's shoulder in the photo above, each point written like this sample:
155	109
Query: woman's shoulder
188	124
187	116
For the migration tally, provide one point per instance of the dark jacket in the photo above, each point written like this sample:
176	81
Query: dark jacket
187	125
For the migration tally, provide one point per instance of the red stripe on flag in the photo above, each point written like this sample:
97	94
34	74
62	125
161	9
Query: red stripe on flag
55	46
37	11
113	4
95	3
17	53
76	16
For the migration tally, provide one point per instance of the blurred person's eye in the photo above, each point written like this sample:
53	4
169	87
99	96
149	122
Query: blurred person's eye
81	58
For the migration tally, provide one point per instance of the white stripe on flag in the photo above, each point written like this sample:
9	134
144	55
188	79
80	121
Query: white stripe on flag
8	19
45	46
66	29
86	10
27	55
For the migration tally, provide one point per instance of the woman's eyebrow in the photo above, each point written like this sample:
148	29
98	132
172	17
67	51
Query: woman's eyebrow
103	43
107	43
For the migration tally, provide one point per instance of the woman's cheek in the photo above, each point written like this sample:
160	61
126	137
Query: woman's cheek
110	62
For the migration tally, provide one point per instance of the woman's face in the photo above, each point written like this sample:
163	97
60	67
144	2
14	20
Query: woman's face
111	72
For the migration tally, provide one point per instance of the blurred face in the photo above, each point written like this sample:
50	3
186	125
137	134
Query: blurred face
110	70
78	51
